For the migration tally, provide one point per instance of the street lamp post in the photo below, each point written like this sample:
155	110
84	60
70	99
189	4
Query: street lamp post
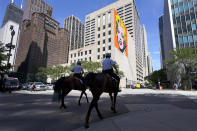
10	47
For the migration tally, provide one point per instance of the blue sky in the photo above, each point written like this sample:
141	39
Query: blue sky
149	11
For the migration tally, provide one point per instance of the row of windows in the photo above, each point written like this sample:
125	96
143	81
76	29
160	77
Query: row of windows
185	28
183	8
187	39
80	53
109	40
109	33
81	60
183	18
109	25
98	56
109	48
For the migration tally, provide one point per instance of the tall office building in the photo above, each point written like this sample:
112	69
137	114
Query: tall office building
145	52
42	44
128	12
39	6
13	13
76	29
13	17
178	26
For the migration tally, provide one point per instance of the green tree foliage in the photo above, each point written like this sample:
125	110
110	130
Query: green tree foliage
3	57
157	76
183	63
58	71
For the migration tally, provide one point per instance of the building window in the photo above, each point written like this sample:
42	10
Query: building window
109	25
98	35
85	59
190	38
75	54
85	52
103	41
89	58
103	48
98	57
81	53
109	32
109	40
193	26
71	55
99	28
103	20
195	38
103	33
180	39
90	51
109	48
185	39
99	21
98	42
103	27
98	49
103	56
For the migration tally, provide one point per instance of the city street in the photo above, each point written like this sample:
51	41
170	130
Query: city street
26	110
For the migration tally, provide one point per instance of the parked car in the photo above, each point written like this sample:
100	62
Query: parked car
49	86
36	86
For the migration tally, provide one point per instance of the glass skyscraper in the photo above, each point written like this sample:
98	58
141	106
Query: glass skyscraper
177	26
184	13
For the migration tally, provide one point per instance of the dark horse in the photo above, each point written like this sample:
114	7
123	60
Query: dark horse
64	85
99	83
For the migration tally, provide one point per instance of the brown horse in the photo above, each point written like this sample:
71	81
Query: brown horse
99	83
64	85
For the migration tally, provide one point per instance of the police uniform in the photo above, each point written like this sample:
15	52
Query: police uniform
78	69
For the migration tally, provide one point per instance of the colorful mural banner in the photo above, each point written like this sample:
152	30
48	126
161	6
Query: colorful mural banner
120	34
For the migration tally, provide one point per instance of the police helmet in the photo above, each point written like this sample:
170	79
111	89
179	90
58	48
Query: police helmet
78	62
108	55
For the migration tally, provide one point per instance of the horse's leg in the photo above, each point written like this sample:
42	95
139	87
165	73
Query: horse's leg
92	104
115	96
112	101
79	102
86	97
62	101
83	92
98	112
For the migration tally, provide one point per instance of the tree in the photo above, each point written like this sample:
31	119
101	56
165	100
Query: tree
183	63
157	76
3	57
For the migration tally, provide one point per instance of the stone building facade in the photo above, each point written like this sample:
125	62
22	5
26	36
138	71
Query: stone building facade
39	6
42	44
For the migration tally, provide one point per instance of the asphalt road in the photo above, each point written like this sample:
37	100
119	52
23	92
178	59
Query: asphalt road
34	111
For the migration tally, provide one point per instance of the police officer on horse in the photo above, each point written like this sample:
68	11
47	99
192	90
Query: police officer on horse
107	67
78	71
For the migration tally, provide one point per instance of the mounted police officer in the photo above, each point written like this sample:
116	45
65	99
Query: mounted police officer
78	70
107	67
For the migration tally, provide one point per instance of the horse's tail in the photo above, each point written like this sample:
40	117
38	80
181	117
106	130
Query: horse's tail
58	90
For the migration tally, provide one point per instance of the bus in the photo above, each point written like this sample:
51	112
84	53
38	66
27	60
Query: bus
11	83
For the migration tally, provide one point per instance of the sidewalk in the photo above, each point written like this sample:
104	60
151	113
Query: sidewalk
150	117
